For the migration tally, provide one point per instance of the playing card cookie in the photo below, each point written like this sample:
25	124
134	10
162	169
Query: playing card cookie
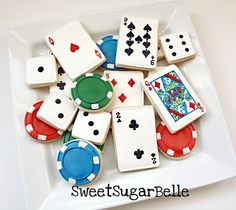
176	145
74	49
134	136
137	44
173	98
92	92
79	162
127	88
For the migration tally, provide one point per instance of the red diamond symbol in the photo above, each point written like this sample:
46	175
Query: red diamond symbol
113	82
122	97
131	82
192	105
157	85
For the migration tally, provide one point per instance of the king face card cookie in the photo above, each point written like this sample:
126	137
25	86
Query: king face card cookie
173	98
137	44
134	138
74	49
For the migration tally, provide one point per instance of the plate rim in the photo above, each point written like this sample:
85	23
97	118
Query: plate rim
94	12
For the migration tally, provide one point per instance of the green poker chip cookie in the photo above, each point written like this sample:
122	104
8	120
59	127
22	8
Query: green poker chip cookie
92	92
68	137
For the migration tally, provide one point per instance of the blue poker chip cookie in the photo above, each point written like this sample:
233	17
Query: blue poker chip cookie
79	162
108	46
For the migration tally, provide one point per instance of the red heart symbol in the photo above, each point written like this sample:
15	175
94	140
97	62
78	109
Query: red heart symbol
73	47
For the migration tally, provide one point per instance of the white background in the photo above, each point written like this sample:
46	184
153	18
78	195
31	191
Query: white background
215	23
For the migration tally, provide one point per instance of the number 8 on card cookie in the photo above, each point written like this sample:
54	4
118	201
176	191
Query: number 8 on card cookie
173	98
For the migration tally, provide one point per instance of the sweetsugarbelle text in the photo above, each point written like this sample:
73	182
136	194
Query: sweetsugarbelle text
174	190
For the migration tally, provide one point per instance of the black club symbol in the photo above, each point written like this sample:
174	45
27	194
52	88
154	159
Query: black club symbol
138	153
60	71
133	124
61	85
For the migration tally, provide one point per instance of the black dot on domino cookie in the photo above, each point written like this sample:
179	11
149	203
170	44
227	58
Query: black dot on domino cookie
57	101
90	123
95	132
60	115
174	53
40	69
85	114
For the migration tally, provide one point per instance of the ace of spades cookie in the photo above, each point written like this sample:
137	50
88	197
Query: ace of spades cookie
134	138
137	44
74	49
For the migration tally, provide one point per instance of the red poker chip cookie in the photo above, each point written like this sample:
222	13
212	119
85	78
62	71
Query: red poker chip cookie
178	144
37	129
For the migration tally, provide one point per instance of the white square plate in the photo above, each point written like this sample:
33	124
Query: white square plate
212	161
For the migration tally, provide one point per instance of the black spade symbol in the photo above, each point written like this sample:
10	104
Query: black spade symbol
60	71
131	26
146	44
146	53
129	42
129	51
130	34
147	36
147	28
138	39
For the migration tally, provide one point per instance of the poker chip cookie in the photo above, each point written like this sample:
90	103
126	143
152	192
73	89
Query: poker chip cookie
37	129
68	137
108	46
79	162
92	92
176	145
